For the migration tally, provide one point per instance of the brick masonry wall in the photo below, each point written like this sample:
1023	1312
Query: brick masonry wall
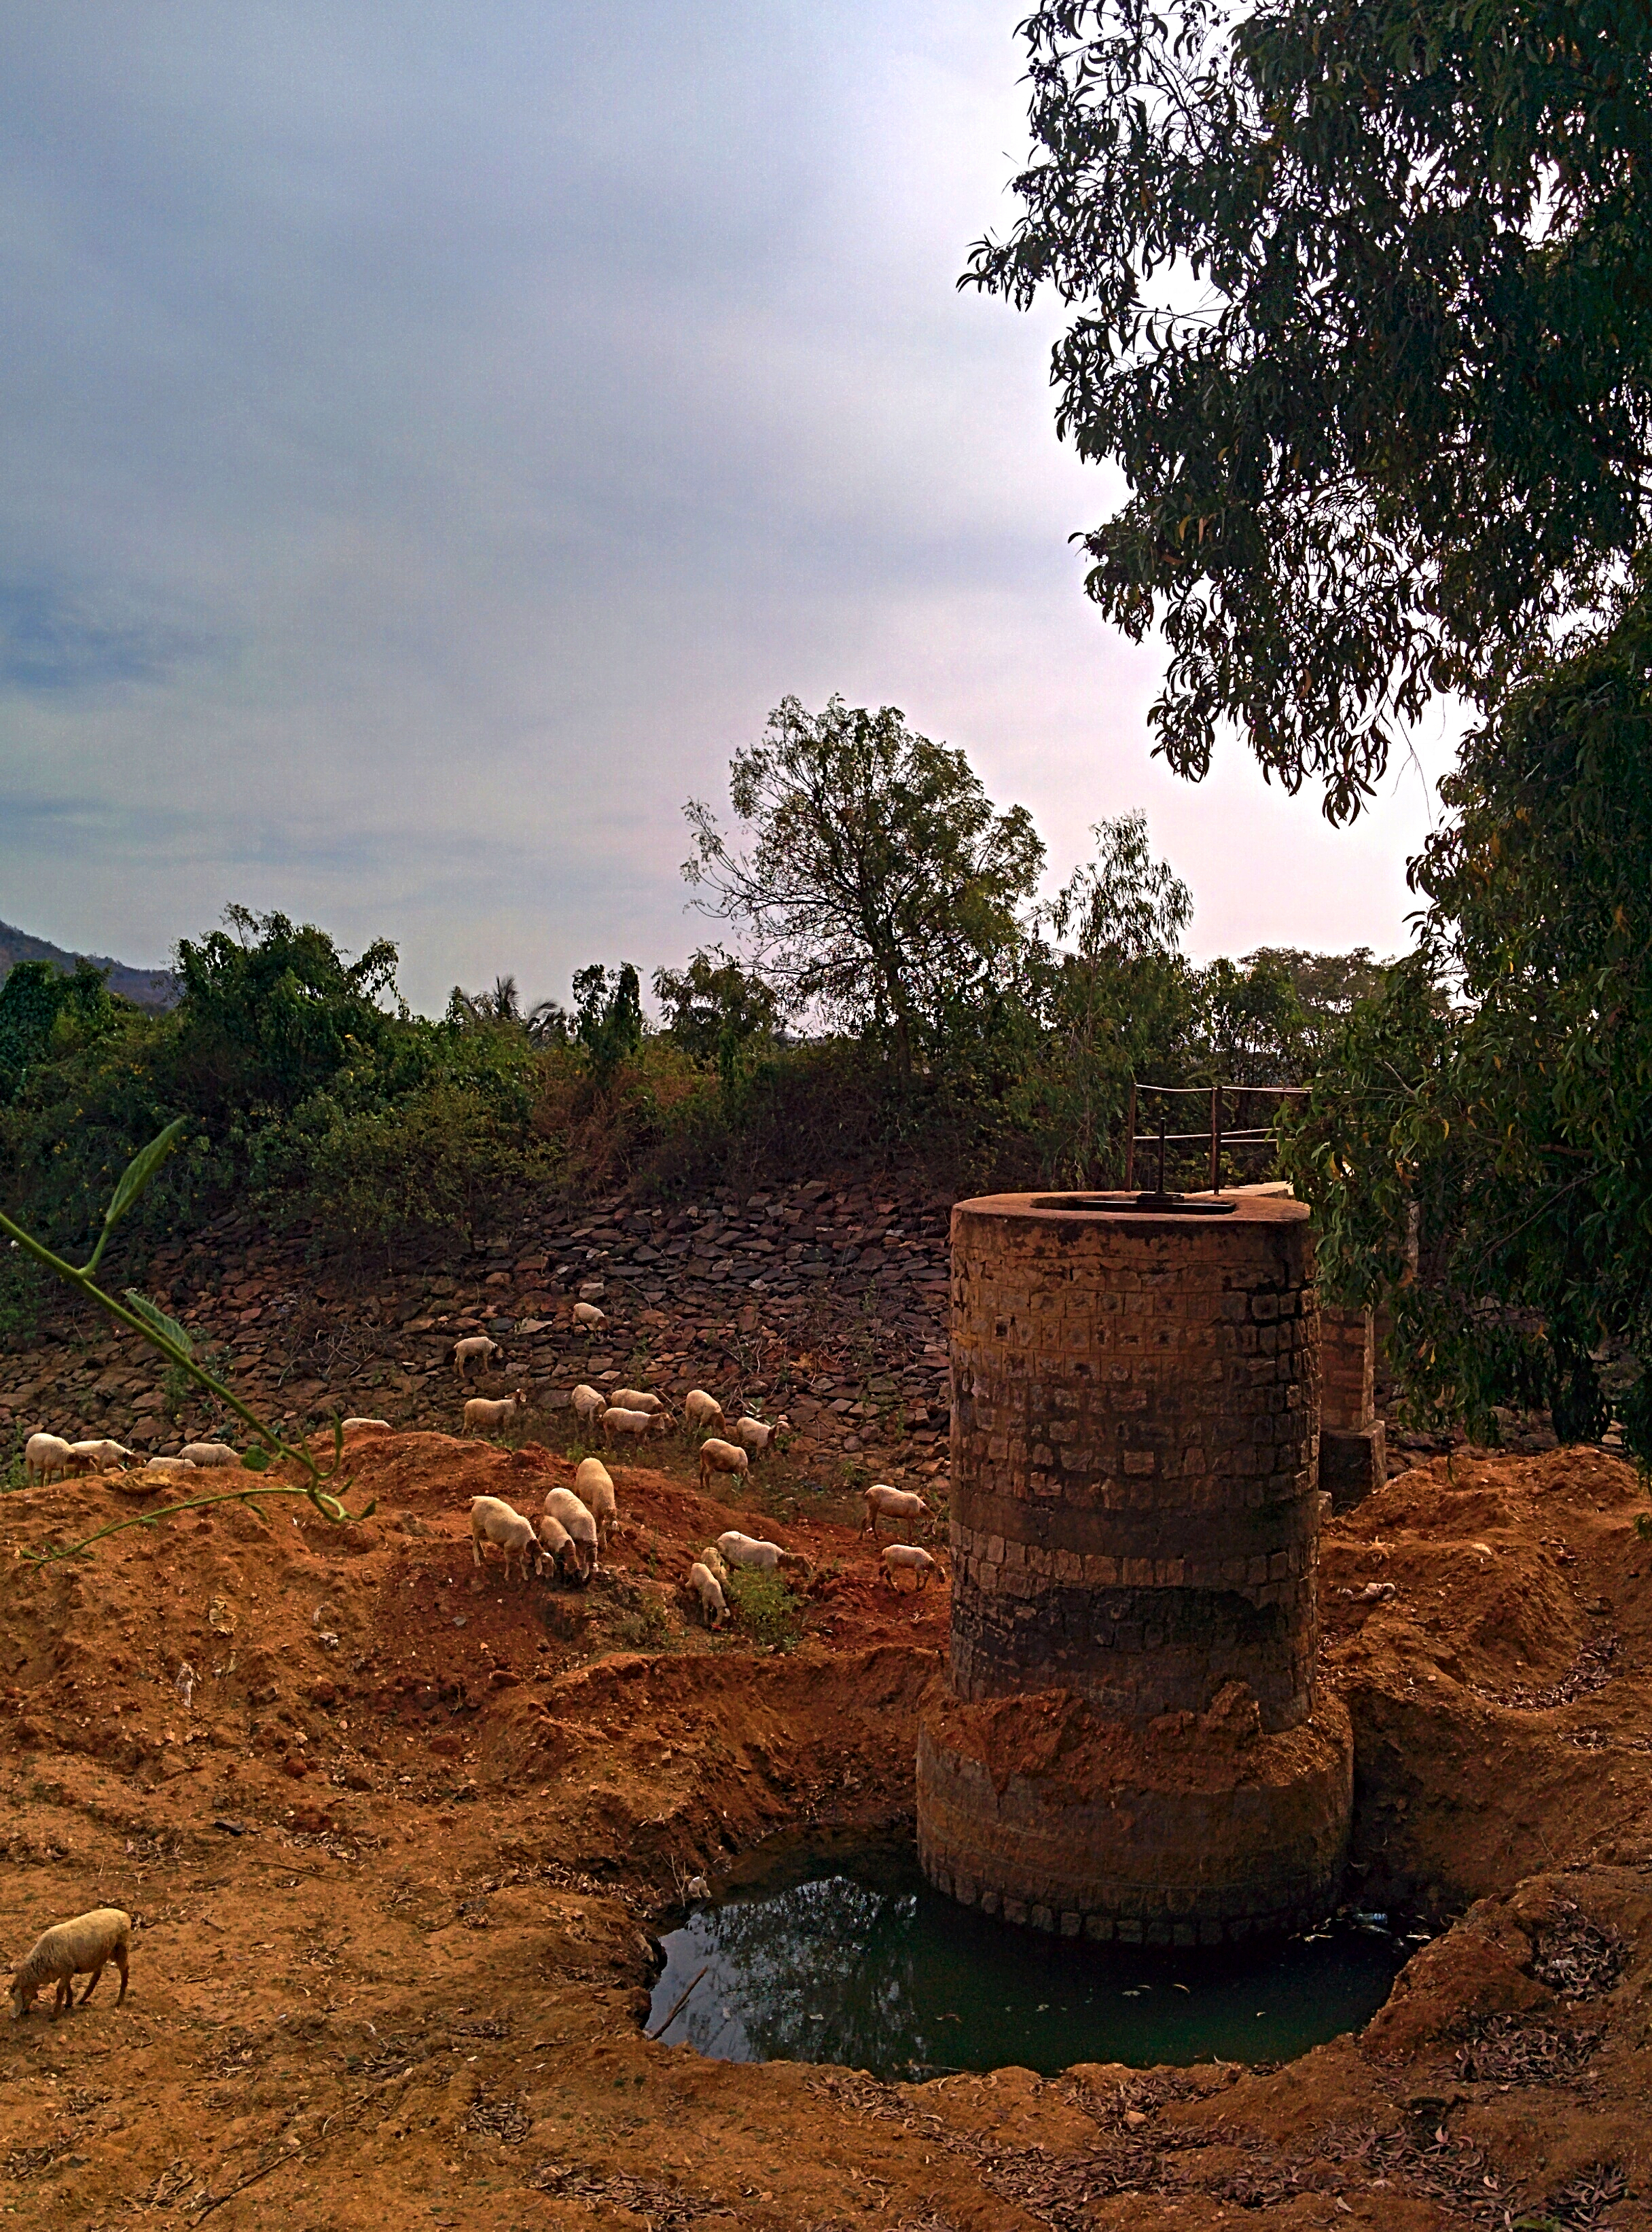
1348	1391
1134	1510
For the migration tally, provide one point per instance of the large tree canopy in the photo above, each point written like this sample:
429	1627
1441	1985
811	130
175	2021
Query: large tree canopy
1365	297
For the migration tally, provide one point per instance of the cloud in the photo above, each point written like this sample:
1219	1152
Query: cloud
436	437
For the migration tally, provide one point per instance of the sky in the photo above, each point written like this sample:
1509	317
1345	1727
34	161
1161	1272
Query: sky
433	436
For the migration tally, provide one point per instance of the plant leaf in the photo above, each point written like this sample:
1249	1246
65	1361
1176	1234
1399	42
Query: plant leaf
141	1307
256	1459
141	1168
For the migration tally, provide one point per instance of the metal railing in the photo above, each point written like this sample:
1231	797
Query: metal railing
1219	1137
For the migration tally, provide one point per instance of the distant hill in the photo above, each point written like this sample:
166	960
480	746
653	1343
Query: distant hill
149	988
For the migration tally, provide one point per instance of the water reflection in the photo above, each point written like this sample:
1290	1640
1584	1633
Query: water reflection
859	1962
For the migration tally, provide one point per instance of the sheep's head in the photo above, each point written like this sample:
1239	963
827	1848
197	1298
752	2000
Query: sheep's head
23	1998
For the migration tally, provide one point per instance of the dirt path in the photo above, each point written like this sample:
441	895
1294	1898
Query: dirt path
396	1845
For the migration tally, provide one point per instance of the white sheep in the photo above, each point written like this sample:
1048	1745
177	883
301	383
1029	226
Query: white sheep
493	1520
69	1949
484	1416
593	1485
102	1456
721	1456
714	1605
711	1557
47	1457
476	1349
752	1434
368	1426
168	1464
588	1403
768	1557
210	1453
898	1503
635	1423
701	1409
557	1543
588	1317
638	1398
907	1558
562	1504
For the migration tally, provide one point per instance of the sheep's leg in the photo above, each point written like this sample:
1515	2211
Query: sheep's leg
64	1996
92	1985
120	1963
476	1546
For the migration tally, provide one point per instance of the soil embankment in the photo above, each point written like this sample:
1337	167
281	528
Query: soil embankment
395	1843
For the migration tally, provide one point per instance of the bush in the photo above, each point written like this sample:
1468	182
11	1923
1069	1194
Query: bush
765	1607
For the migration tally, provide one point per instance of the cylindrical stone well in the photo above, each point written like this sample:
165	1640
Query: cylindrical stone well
1129	1744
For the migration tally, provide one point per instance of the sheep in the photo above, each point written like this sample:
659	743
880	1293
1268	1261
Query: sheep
907	1558
700	1408
638	1423
69	1950
485	1417
593	1485
746	1550
557	1543
168	1464
493	1520
714	1605
752	1434
711	1558
210	1453
562	1504
588	1403
102	1456
48	1456
368	1426
721	1456
477	1349
588	1317
638	1398
885	1503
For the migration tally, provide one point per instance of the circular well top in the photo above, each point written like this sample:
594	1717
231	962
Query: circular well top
1137	1208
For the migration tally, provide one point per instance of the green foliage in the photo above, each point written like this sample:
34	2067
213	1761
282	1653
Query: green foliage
1363	312
608	1017
765	1607
20	1293
879	886
44	1011
1498	1090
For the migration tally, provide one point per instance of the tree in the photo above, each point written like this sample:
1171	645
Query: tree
607	1017
879	882
1497	1095
1363	296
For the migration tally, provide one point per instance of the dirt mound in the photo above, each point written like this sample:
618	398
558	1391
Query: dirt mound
395	1834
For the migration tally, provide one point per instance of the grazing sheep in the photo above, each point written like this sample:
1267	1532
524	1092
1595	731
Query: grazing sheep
493	1520
714	1605
368	1426
638	1398
752	1434
721	1456
588	1403
637	1422
711	1557
102	1456
477	1349
701	1409
562	1504
746	1550
69	1949
47	1456
587	1316
593	1485
898	1503
907	1558
168	1464
210	1453
557	1543
482	1416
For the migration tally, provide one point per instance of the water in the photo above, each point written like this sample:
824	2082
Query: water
849	1957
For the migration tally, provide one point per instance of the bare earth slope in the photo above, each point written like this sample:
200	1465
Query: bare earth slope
395	1843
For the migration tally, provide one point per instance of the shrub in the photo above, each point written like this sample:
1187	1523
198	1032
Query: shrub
765	1607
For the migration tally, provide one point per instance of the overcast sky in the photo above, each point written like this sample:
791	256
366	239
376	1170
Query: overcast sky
436	436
